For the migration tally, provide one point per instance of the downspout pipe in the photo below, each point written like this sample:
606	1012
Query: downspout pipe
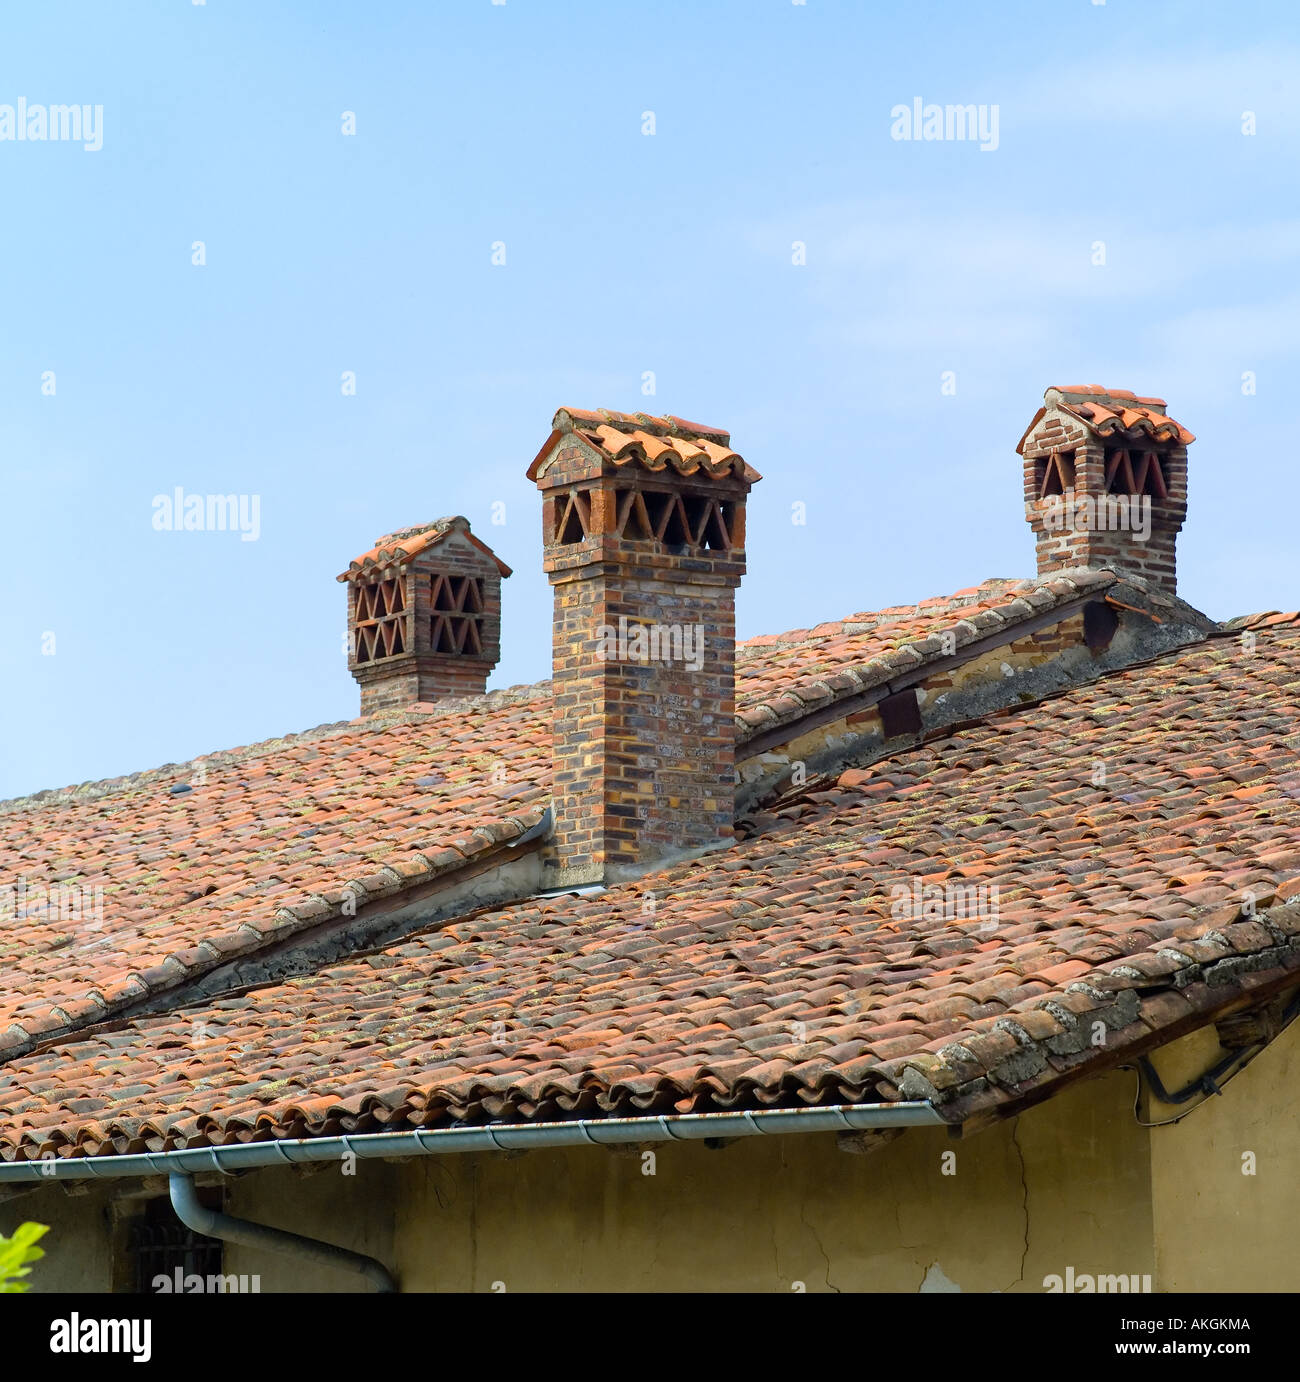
185	1201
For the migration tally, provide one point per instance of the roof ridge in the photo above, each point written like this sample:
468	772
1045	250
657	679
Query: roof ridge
1270	618
96	789
868	621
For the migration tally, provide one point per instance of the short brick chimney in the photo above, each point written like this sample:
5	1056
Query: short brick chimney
1106	482
643	532
424	615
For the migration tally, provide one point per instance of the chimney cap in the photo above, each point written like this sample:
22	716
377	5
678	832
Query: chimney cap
1102	394
653	443
405	543
1106	412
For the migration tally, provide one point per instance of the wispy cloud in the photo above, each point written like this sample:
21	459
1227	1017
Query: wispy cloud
1181	86
893	279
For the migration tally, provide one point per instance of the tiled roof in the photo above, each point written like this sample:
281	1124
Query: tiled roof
781	677
205	863
784	972
653	443
1110	412
395	549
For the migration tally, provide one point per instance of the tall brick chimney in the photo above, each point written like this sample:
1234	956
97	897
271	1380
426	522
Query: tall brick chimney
424	615
1106	482
643	532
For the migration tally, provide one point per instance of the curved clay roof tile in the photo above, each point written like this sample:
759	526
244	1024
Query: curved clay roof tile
654	448
613	442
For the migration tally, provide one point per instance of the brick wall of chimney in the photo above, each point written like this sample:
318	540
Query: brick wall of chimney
643	751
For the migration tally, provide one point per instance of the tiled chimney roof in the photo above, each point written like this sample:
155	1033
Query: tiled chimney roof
424	615
653	443
1111	412
393	549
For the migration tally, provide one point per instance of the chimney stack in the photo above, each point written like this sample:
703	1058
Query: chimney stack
643	532
424	615
1106	482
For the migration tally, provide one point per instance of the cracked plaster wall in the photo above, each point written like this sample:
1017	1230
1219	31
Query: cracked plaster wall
1068	1184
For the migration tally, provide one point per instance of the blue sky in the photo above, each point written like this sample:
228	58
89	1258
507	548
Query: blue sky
625	253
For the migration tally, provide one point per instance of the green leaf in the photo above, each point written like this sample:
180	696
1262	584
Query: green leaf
16	1252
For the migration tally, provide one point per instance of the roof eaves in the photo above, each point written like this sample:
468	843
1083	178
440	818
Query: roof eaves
1178	984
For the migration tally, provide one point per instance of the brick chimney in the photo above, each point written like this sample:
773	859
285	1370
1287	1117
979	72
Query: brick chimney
643	532
1106	482
424	615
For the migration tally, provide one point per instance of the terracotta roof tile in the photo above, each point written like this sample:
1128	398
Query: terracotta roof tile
268	840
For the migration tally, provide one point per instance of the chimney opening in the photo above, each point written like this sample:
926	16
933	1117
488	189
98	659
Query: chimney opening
714	534
675	533
1125	475
633	520
1100	621
456	635
380	612
573	521
1054	474
657	507
457	593
676	521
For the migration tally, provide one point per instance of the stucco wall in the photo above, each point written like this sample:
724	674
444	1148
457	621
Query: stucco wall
79	1245
352	1211
1218	1229
1067	1184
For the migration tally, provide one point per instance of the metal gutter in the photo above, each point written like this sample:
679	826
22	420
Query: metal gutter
185	1201
501	1137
